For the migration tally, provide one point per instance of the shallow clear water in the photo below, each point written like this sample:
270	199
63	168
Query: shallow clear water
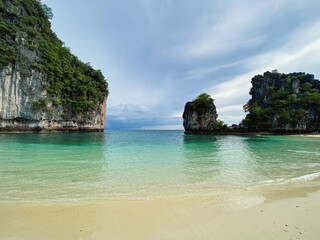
147	164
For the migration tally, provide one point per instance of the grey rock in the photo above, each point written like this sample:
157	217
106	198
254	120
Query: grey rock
18	92
195	123
278	82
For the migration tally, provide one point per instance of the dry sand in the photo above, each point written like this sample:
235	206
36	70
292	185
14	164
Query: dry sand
293	214
306	135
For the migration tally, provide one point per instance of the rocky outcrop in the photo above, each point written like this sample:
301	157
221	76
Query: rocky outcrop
280	104
199	118
43	87
17	95
284	103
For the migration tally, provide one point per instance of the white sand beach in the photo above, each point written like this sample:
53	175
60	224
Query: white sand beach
292	214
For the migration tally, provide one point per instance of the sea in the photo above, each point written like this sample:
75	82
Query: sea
119	164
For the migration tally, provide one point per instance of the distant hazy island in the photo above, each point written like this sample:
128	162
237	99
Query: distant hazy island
280	104
43	87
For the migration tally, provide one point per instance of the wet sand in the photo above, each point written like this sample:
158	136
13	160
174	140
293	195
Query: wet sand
289	214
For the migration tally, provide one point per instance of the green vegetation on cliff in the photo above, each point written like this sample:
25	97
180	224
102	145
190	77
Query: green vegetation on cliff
283	102
28	44
202	103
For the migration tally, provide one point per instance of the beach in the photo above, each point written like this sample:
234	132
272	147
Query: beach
159	120
289	214
308	135
158	185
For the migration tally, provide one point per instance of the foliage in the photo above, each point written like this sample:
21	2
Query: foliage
258	118
202	103
220	125
69	82
281	102
7	41
37	105
48	11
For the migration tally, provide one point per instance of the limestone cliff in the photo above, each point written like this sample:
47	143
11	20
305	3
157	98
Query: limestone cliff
200	115
17	95
284	103
43	87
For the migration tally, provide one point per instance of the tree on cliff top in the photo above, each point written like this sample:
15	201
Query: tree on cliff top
203	102
47	10
204	99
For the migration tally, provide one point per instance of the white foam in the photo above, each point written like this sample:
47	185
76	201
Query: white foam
303	178
304	152
270	182
306	177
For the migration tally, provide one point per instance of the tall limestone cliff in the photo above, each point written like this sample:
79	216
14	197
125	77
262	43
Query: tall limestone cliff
283	103
43	87
200	115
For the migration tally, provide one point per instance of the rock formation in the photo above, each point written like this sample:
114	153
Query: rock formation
280	104
43	87
200	115
283	103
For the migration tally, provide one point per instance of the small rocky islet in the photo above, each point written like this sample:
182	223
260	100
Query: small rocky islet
280	104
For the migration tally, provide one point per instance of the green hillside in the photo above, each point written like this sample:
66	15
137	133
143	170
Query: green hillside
28	44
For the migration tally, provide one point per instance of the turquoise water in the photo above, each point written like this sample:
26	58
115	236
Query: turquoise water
148	164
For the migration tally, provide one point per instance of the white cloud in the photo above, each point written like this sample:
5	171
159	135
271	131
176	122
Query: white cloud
177	114
231	114
237	27
231	91
128	116
203	72
130	112
301	53
230	108
236	119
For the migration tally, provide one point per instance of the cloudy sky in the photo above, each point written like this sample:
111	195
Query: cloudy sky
159	54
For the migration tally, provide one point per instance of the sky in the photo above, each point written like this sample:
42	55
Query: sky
159	54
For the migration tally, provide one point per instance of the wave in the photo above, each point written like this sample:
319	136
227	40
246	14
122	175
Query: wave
304	152
306	177
303	178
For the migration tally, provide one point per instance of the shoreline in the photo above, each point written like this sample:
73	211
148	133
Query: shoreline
28	131
307	135
46	131
266	213
240	133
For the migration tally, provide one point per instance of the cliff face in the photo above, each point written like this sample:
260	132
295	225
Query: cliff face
200	116
284	102
43	87
17	95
